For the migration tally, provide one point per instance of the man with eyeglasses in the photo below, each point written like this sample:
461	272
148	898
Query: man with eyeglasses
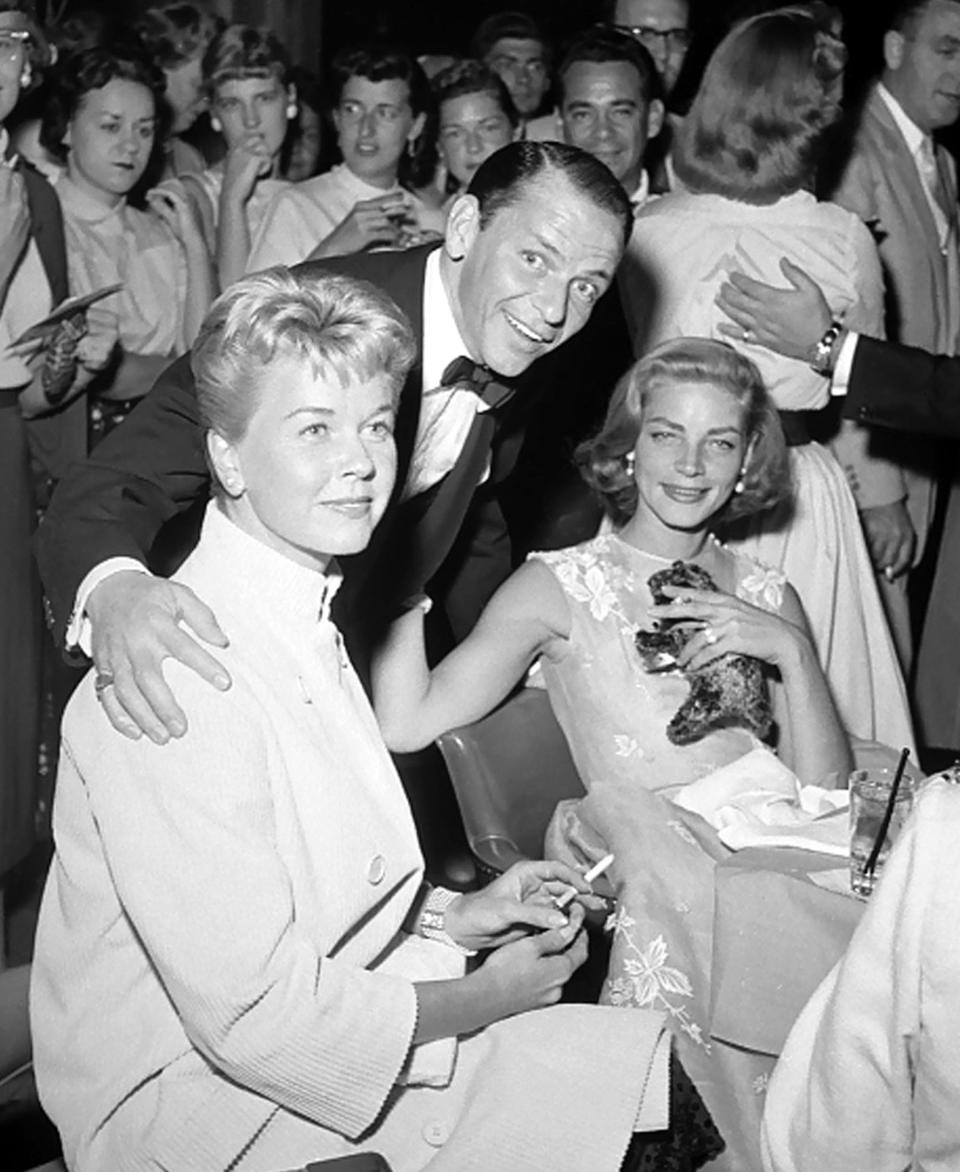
662	27
514	47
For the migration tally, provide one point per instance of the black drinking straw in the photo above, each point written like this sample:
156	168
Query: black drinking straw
887	814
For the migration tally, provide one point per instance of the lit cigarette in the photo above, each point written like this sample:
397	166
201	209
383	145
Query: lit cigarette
594	873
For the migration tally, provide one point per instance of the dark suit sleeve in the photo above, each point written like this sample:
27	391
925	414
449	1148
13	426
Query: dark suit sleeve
903	387
115	503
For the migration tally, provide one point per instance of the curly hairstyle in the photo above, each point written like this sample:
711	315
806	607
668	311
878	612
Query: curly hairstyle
240	51
175	32
472	77
766	474
386	63
40	53
770	93
91	68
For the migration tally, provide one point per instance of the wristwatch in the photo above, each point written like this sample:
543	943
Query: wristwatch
823	354
431	922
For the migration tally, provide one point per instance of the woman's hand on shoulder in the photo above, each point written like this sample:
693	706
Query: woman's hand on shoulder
521	900
171	204
724	624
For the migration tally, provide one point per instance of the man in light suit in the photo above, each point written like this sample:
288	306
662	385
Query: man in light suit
529	252
904	187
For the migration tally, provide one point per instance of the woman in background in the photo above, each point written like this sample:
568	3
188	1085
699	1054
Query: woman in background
475	116
102	114
382	114
176	36
746	156
247	78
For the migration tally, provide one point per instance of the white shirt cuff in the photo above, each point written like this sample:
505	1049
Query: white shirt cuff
841	372
78	627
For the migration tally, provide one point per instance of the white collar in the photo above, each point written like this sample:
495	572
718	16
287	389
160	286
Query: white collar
442	340
913	136
641	193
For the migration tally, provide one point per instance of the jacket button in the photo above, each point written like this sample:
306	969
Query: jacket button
376	869
436	1133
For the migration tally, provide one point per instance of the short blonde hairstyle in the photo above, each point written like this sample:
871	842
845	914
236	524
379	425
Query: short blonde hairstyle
766	475
343	327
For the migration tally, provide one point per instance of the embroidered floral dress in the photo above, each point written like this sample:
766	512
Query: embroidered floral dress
614	716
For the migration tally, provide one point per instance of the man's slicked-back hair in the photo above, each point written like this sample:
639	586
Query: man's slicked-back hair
902	15
344	328
517	26
501	180
600	44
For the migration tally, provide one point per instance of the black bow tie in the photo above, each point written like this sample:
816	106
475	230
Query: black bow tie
464	372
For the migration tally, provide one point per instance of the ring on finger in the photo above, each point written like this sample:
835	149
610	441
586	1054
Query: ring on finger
101	681
709	635
747	336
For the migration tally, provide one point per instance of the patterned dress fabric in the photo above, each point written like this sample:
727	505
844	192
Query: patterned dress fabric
614	716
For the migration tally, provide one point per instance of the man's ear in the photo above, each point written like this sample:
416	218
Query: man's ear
225	463
463	226
656	112
894	44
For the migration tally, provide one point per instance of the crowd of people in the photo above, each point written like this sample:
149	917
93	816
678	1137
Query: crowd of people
323	463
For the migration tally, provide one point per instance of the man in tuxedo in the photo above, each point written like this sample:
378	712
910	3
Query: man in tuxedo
529	251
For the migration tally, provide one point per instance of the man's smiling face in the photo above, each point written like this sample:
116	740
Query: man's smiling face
526	281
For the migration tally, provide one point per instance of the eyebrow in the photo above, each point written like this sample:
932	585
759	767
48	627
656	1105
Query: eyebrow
663	419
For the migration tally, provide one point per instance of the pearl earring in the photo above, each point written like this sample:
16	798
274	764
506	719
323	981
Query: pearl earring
25	77
739	486
291	110
630	461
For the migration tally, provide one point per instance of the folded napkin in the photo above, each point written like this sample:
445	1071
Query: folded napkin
758	801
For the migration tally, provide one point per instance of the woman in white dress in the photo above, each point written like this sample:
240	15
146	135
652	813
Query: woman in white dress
247	75
691	439
102	113
383	116
746	157
237	964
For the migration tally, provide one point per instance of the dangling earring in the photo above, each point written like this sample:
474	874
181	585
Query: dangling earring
26	77
739	486
216	124
630	462
291	111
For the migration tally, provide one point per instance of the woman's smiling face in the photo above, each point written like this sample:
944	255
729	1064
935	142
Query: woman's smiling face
689	454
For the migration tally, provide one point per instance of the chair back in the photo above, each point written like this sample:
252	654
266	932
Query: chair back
509	770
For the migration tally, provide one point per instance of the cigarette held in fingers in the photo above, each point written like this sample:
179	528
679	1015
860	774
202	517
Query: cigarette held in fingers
595	872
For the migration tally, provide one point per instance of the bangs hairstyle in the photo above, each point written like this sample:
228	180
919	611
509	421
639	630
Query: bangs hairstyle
241	51
78	74
343	327
175	33
766	474
770	92
501	180
387	63
473	77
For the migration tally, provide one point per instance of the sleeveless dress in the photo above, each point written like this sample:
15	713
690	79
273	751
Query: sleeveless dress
614	717
686	245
